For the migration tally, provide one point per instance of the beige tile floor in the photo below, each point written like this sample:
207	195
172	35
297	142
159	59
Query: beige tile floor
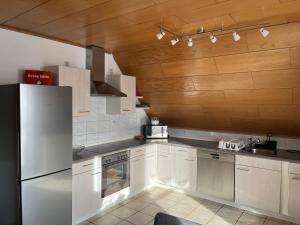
141	209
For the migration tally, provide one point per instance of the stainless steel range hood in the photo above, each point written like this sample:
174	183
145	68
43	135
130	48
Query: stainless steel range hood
95	62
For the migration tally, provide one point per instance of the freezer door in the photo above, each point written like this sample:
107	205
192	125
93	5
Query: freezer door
47	200
45	129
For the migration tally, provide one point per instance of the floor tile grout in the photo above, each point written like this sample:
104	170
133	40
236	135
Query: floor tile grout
171	197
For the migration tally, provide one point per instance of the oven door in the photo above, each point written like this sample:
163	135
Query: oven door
115	177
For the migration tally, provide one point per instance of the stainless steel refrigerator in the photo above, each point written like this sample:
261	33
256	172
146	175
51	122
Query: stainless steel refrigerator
35	155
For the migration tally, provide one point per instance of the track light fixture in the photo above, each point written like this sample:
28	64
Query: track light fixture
160	35
212	33
190	42
264	32
174	41
236	36
213	38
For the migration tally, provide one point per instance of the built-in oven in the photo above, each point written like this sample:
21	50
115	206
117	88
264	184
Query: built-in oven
115	172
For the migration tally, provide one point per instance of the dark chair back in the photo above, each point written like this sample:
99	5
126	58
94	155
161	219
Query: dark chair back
165	219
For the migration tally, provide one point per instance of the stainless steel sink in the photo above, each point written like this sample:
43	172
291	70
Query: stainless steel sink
260	151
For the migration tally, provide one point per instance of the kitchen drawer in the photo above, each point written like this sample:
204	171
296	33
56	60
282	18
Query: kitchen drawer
187	152
262	163
294	168
161	148
87	165
138	151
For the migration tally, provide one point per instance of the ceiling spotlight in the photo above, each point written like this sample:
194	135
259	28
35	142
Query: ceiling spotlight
160	35
190	42
264	32
174	41
213	38
236	36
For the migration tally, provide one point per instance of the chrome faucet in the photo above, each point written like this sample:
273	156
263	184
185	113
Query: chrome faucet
251	144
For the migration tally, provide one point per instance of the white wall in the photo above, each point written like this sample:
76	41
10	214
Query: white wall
20	51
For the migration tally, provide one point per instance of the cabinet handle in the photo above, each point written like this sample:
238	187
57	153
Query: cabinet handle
182	150
93	174
84	111
126	110
296	178
90	164
140	150
189	160
242	169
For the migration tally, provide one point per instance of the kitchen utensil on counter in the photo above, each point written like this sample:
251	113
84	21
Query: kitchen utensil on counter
154	121
233	144
268	144
78	148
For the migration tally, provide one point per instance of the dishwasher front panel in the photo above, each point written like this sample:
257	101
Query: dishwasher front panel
216	177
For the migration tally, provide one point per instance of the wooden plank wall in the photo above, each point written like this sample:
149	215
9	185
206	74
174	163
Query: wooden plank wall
250	86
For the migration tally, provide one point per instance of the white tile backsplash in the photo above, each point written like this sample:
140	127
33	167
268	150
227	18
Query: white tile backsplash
91	127
98	127
79	128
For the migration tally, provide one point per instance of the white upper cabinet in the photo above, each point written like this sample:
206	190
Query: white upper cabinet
79	80
127	85
258	184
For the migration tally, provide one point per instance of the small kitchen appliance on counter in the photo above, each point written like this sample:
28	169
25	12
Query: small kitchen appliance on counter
155	130
233	144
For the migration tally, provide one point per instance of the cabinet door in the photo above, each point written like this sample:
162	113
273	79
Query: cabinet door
128	87
267	194
132	93
244	185
84	91
79	80
164	168
69	77
86	194
294	197
185	172
137	174
125	107
150	164
258	188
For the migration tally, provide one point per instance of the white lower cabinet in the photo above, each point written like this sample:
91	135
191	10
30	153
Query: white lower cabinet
293	190
164	168
137	174
142	167
258	187
86	194
185	169
150	165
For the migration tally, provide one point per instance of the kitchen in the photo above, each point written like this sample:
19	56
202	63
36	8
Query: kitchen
216	83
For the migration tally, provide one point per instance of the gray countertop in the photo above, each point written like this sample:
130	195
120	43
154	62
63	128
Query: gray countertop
104	149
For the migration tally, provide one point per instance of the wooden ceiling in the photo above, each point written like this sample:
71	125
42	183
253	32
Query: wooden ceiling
250	86
117	24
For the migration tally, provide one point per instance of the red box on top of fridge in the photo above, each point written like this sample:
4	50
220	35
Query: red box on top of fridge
38	77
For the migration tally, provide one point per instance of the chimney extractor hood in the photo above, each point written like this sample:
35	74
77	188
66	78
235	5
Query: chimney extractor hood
95	62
